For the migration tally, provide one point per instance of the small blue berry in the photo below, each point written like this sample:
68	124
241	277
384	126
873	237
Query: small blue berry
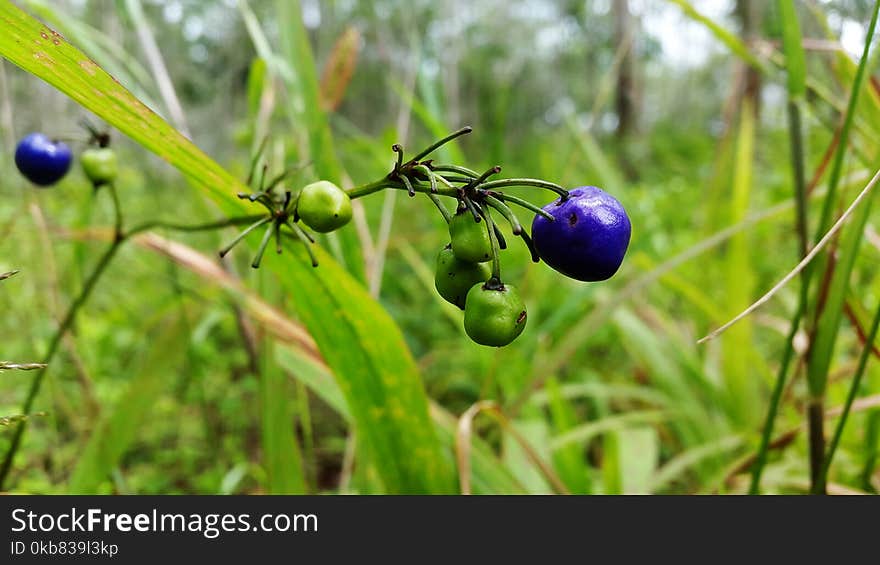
589	237
42	160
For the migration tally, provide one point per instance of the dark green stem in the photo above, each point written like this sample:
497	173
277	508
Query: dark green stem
441	207
501	183
228	222
775	399
800	190
525	204
408	184
817	375
382	184
430	176
305	239
436	145
117	210
74	308
455	169
867	350
267	235
244	233
837	164
504	209
477	181
496	248
65	325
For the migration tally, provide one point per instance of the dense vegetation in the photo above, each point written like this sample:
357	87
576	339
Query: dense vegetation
182	373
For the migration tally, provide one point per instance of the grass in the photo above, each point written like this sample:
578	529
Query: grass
293	379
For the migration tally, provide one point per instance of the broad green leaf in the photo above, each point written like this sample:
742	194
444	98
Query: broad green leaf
295	352
281	454
108	53
739	368
364	346
383	390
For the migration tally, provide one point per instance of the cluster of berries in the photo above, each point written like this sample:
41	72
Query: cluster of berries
45	161
583	233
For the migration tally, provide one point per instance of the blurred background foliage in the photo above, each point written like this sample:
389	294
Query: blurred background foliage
162	386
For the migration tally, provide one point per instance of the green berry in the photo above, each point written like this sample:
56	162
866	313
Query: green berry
470	239
494	316
100	165
323	206
454	277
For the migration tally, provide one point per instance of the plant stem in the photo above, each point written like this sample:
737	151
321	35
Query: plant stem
800	190
117	210
775	399
441	142
816	425
525	204
505	210
441	207
383	183
837	164
455	169
67	322
65	325
228	222
853	391
496	250
501	183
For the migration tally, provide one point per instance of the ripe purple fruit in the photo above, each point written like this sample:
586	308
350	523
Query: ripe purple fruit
42	160
589	237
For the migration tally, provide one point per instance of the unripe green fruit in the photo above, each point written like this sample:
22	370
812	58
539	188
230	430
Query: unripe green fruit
454	277
470	239
494	317
323	206
100	165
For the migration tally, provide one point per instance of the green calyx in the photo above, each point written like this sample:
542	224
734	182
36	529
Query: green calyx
470	239
453	277
323	206
100	165
494	316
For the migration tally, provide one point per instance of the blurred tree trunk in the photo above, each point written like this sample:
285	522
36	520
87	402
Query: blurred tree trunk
749	13
625	93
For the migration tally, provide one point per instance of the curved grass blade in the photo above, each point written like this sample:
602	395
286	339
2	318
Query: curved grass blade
342	317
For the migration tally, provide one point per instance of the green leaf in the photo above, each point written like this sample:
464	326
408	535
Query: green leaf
383	390
568	460
738	365
115	433
255	85
281	454
795	62
364	346
822	348
308	113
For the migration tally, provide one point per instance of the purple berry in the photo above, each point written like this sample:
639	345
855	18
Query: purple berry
589	237
41	160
